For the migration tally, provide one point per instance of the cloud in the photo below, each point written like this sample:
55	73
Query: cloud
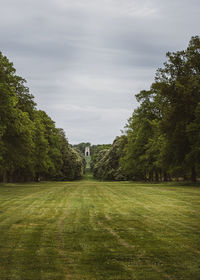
91	120
84	60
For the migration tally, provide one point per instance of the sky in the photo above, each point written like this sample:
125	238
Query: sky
84	60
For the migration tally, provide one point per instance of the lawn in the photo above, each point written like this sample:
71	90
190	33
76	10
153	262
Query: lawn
99	230
88	159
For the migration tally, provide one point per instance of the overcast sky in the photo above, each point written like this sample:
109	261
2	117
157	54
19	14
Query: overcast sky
84	60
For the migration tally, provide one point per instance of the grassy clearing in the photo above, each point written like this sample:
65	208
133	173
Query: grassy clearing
99	230
88	159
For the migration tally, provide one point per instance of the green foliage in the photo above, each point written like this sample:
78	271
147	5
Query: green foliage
31	147
73	167
81	147
163	133
105	165
95	149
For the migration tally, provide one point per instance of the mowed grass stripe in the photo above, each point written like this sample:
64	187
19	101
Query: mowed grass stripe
99	230
157	232
31	233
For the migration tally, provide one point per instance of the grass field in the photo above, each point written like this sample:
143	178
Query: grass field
88	159
99	230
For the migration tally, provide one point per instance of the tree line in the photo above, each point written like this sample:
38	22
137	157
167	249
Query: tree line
162	137
31	147
94	149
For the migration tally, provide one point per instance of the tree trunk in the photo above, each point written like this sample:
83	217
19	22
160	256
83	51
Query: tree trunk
5	177
151	176
156	176
160	176
165	177
193	174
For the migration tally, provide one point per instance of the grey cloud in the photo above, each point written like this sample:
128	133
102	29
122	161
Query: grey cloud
85	60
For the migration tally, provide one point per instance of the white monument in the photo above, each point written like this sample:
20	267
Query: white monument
87	151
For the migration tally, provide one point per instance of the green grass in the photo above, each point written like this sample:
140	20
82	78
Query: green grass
88	159
99	230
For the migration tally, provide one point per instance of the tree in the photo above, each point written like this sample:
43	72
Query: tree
177	95
163	135
107	161
81	146
31	147
16	127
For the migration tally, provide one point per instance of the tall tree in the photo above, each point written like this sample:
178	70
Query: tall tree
177	93
31	147
163	131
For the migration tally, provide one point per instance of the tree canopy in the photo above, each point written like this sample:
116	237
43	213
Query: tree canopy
31	147
163	133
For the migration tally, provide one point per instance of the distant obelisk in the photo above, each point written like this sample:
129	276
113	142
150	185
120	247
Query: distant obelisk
87	151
